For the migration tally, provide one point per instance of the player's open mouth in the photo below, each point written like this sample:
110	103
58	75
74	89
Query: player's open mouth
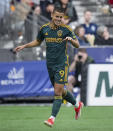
58	22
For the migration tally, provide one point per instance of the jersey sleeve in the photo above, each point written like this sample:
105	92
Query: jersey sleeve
72	34
40	35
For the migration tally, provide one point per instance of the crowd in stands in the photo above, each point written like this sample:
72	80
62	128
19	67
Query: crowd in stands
103	36
87	32
107	6
80	32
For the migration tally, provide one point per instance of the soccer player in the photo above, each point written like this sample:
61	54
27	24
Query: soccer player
56	35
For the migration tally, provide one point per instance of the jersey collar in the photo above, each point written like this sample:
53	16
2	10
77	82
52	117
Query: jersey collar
52	26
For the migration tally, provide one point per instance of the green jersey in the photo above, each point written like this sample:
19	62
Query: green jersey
56	48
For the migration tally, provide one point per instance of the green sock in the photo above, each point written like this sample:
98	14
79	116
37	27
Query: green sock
56	105
69	97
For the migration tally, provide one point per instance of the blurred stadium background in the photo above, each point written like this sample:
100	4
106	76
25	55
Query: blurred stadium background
23	76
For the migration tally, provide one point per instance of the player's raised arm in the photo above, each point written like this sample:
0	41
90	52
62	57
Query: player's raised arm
28	45
74	42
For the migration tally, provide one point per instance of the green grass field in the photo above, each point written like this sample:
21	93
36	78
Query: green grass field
30	118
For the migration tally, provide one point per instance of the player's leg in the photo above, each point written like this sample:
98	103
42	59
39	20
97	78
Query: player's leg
58	89
55	78
69	97
77	105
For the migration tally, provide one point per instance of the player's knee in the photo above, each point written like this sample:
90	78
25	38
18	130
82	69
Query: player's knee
58	93
58	88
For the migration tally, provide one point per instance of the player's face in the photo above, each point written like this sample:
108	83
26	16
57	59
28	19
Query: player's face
57	18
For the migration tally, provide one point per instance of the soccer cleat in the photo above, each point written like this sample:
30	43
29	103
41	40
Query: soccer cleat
49	122
78	110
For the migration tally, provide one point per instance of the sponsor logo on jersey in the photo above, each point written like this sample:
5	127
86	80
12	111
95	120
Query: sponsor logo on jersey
57	40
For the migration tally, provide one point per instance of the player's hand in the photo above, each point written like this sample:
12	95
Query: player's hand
18	48
68	39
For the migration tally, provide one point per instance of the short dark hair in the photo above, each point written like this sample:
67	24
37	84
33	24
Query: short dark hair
59	9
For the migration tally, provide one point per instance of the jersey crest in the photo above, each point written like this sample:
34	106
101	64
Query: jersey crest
59	33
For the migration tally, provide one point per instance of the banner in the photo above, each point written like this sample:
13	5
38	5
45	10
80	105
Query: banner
24	79
100	54
100	85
